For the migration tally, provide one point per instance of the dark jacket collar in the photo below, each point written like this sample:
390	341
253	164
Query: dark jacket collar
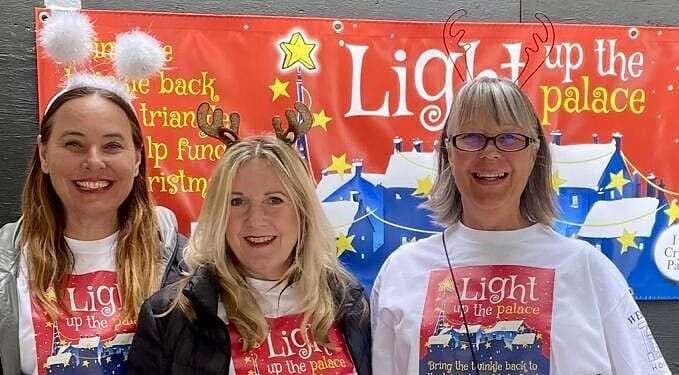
203	293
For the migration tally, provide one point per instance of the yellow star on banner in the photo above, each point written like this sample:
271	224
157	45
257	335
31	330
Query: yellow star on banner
343	244
339	165
320	119
247	359
672	212
86	363
538	336
557	181
297	50
279	89
49	325
423	186
618	181
627	241
51	295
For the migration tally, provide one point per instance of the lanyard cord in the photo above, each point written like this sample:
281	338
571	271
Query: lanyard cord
459	301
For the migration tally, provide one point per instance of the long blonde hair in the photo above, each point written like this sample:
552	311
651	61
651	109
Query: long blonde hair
502	101
42	243
314	269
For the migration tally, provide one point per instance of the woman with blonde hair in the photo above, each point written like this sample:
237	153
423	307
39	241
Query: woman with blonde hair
265	292
499	290
89	247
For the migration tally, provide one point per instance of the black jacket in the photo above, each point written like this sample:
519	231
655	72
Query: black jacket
173	344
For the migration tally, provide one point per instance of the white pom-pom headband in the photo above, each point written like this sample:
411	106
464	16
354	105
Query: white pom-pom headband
68	37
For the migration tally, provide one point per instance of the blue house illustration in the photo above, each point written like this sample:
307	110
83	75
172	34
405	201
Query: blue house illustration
583	174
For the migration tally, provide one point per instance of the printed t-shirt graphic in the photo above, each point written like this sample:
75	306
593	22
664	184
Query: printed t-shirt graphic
285	352
91	339
509	314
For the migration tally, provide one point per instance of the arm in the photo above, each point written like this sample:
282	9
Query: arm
631	346
383	336
146	354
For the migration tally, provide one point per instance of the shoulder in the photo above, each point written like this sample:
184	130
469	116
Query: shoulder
412	251
9	244
167	224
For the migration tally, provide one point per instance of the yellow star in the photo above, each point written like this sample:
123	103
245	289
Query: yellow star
86	363
51	295
557	181
446	285
49	325
627	240
343	244
297	50
423	186
672	212
538	336
247	359
279	88
251	372
320	119
618	181
45	365
339	165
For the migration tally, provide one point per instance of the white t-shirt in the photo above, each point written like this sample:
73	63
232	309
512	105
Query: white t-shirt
284	350
535	303
92	336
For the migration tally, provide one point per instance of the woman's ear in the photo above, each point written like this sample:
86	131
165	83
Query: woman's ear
41	155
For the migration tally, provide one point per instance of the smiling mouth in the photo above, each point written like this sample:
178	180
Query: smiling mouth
490	176
93	186
259	241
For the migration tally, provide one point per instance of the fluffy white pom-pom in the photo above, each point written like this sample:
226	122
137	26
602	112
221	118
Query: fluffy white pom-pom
67	37
137	55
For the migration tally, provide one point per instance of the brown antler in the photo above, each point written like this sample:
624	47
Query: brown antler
547	39
452	41
216	128
295	129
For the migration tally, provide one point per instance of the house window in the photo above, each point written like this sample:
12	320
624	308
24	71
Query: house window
641	246
598	246
612	194
575	201
362	238
397	196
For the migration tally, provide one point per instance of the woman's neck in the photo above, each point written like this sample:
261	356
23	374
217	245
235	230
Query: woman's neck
88	229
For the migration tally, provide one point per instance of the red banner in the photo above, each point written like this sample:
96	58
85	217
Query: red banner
371	83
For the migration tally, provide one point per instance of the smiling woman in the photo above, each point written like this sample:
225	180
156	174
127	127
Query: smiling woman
264	287
89	247
499	286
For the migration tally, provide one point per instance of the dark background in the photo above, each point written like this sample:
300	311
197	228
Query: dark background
18	91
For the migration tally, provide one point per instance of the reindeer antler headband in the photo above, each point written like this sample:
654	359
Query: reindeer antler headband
453	33
228	134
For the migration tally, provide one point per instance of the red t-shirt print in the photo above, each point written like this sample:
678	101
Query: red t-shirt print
284	352
91	338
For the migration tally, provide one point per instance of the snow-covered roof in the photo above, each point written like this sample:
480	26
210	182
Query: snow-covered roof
373	178
439	340
608	219
405	168
506	326
524	339
88	342
341	214
581	165
122	339
472	329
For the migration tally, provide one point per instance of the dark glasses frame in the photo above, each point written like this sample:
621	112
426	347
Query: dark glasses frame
456	138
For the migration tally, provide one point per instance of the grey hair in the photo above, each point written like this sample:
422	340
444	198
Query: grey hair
502	102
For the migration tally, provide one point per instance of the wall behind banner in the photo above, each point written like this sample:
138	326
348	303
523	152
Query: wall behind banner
18	91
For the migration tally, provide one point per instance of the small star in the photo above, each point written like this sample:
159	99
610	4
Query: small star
343	244
108	359
50	294
446	285
538	336
424	186
508	345
297	50
618	181
320	119
464	346
488	345
627	241
86	363
672	212
557	181
49	325
279	88
339	165
247	359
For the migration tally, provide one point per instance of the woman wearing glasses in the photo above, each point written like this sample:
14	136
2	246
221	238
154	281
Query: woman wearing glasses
499	291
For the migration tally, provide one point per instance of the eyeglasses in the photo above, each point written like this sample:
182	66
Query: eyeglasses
508	142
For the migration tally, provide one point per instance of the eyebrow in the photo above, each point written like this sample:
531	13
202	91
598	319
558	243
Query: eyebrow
80	134
267	193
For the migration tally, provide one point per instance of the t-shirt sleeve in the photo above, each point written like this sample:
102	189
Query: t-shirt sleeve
382	325
630	343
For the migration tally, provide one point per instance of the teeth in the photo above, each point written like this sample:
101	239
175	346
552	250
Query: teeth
490	174
92	185
258	240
